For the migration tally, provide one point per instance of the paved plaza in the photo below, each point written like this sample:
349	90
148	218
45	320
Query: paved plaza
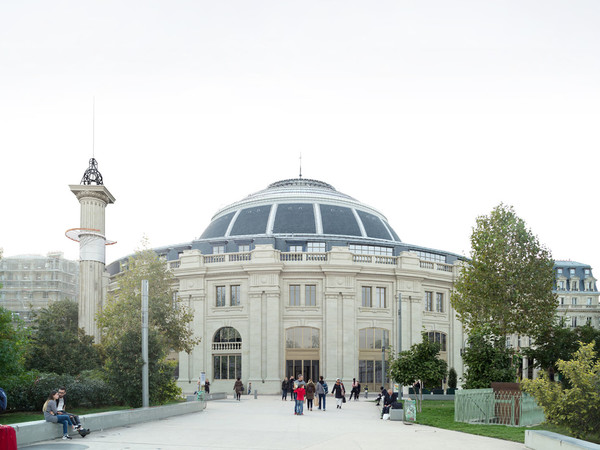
269	423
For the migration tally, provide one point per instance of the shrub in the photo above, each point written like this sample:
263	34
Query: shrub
29	391
576	407
452	378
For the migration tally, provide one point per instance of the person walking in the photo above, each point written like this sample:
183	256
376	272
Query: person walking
322	390
339	392
238	387
51	414
310	394
285	386
355	389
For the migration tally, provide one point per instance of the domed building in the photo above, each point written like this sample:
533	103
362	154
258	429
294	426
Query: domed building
301	278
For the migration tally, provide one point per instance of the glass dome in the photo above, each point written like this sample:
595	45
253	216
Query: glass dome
299	207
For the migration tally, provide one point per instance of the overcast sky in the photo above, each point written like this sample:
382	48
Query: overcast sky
433	112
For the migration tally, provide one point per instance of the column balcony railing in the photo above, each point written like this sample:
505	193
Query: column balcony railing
226	346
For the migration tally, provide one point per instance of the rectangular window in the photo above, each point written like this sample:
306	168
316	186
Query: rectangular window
294	295
380	297
561	285
573	322
572	272
587	272
244	248
562	300
315	247
589	301
218	249
428	301
227	367
295	248
588	321
439	302
366	297
371	250
573	300
235	295
590	286
310	295
574	286
559	271
221	294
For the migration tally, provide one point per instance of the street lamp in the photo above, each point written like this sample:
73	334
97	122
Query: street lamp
383	366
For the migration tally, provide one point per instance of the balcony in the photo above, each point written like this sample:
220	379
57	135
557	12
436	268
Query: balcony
216	346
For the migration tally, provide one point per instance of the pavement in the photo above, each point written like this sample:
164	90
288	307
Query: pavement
269	423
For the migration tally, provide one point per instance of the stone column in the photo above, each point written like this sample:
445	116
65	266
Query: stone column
92	254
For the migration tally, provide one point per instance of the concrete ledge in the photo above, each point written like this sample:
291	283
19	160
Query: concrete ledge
397	414
32	432
546	440
209	397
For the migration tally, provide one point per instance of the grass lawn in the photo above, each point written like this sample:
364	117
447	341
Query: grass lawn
440	414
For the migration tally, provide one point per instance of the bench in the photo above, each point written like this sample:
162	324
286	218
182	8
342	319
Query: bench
40	430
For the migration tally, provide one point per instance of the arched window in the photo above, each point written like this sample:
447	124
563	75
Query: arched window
373	338
302	337
227	364
227	334
302	352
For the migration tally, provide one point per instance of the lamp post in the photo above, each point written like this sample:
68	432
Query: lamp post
383	366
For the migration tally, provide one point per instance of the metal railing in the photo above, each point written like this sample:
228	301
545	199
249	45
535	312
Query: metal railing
484	406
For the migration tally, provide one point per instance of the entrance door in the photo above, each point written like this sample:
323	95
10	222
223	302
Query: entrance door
309	368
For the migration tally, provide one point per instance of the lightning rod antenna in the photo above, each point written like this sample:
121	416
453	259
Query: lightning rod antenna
94	127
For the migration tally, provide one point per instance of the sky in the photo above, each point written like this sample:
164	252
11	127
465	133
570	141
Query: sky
432	112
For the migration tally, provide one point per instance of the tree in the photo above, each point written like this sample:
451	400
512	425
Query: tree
13	341
58	345
578	406
559	343
452	378
487	360
508	282
422	363
168	327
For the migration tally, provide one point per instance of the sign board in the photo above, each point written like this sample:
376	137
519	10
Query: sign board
410	411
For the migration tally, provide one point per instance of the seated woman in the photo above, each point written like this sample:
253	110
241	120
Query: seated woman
51	414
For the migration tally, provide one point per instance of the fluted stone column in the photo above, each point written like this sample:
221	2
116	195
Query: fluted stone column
93	200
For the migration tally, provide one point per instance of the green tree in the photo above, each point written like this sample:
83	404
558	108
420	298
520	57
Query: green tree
168	326
578	406
487	360
559	342
57	344
508	283
452	378
422	363
13	342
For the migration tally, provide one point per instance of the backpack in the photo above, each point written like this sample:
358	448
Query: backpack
325	387
3	400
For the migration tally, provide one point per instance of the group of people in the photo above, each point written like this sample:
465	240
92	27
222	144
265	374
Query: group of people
300	391
54	412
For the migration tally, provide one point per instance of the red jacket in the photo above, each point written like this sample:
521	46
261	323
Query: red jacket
300	391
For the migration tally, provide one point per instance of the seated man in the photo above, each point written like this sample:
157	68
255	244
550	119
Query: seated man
390	401
60	407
